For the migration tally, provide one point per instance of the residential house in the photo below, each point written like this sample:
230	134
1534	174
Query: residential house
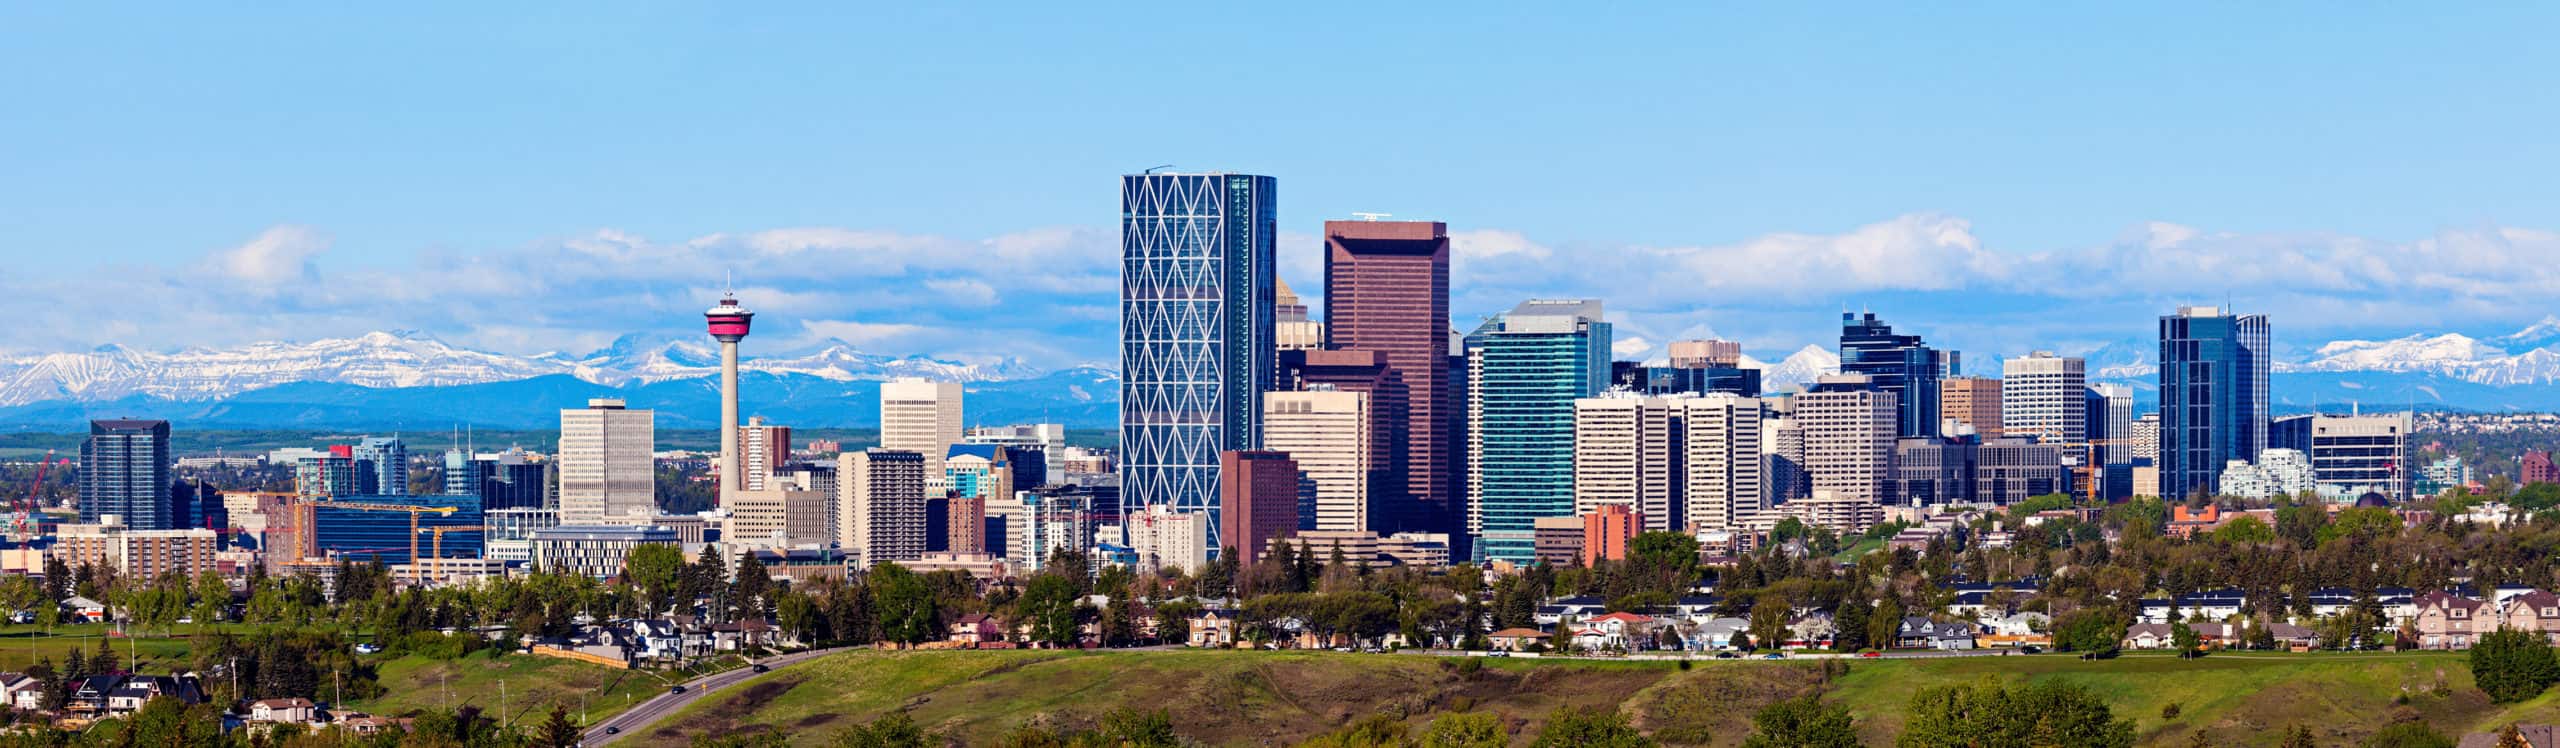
976	629
1579	607
1516	639
296	710
2448	621
21	692
2150	636
1721	633
1918	632
2292	637
2209	605
1623	631
2535	611
1213	629
129	696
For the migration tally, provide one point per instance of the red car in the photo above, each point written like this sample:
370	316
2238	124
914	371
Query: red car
1870	654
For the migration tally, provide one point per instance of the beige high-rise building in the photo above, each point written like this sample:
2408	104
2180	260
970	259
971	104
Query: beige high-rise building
1705	354
881	505
1291	330
778	518
1972	401
2045	396
1626	453
2146	438
1329	433
920	416
608	474
1725	486
1849	431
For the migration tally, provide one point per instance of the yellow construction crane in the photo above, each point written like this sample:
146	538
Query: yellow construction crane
413	510
438	548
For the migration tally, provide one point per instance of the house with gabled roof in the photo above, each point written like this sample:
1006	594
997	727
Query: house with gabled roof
2449	621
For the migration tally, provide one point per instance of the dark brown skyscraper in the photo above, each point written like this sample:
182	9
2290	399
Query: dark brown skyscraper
1386	289
1259	501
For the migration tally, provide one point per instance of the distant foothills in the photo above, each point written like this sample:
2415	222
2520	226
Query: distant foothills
416	382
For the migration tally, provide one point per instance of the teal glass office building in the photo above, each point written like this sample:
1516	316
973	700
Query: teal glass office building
1525	368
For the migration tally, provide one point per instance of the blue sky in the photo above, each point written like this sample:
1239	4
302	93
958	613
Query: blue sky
941	180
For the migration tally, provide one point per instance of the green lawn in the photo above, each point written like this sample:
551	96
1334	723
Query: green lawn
1278	698
527	684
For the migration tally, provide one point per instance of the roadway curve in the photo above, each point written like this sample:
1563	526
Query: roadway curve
635	719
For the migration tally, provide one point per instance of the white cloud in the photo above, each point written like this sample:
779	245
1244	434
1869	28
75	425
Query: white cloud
1050	294
963	291
279	255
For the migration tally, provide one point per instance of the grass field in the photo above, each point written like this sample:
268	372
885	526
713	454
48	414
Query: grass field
529	685
1280	698
526	685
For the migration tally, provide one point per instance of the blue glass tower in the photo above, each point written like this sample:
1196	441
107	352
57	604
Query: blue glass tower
1899	364
2213	395
1524	370
124	471
1198	262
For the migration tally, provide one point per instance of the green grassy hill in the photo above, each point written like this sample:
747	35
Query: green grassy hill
1250	698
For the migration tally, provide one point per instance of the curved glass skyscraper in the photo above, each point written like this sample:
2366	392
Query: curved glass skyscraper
1198	259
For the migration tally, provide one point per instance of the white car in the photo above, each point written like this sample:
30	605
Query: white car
368	648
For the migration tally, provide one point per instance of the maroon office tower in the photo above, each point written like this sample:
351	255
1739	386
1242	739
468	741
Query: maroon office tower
1258	498
1386	289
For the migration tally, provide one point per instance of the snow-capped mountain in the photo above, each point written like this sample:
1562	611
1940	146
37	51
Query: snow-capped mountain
1798	370
652	359
2543	334
389	360
2453	355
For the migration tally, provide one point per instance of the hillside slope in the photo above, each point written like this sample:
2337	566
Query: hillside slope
1268	699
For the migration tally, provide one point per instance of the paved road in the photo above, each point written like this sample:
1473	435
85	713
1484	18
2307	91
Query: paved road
635	719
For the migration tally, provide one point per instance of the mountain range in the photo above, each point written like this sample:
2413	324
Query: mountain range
393	380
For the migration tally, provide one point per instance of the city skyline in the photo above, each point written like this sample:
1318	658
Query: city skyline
2264	164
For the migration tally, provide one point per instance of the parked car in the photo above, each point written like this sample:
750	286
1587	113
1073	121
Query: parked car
366	648
2031	649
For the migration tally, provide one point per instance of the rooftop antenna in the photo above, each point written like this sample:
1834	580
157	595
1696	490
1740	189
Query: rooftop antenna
1152	169
1371	216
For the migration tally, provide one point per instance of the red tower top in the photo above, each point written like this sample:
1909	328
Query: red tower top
728	321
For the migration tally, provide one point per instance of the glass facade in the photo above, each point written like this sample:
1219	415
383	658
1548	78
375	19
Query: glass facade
124	471
1525	368
383	534
1198	254
2213	395
1899	364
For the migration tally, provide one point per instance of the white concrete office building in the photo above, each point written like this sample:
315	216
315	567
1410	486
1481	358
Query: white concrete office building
920	416
1849	430
1627	452
2045	396
1725	486
607	472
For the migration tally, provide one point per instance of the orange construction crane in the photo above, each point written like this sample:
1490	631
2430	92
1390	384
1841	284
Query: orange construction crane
311	537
